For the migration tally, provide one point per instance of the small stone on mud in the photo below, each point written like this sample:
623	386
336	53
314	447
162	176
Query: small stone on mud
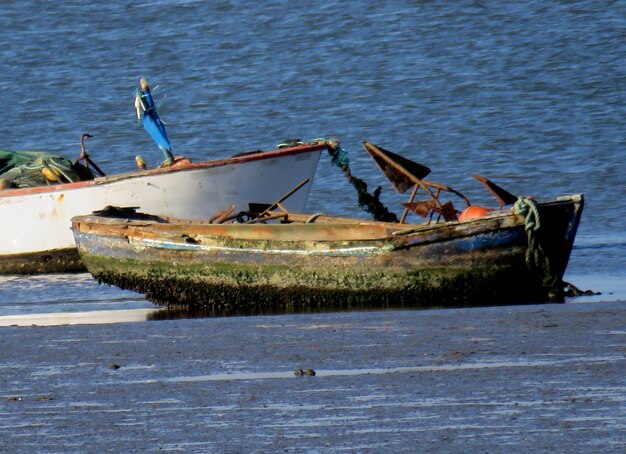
299	372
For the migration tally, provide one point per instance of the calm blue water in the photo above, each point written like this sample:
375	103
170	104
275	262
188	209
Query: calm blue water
532	95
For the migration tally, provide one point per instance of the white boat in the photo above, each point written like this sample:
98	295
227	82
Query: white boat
35	235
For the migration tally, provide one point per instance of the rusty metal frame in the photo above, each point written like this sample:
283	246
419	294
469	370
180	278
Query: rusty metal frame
404	174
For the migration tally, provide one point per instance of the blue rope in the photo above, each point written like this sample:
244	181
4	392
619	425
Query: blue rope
340	158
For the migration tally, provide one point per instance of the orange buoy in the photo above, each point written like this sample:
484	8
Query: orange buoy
474	212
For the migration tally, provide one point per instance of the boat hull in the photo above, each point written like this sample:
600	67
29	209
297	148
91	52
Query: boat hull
36	235
344	265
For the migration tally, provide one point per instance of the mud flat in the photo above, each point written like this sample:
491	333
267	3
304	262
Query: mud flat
505	379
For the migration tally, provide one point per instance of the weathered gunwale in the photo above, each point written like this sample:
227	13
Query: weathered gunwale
324	228
458	263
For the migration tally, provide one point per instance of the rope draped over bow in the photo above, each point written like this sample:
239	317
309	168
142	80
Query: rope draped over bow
536	259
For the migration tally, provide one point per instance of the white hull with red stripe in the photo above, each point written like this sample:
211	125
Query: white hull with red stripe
35	222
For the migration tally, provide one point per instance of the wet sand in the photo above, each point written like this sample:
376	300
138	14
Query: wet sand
545	378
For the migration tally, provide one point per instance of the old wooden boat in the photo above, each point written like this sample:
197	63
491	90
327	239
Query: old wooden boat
504	256
35	231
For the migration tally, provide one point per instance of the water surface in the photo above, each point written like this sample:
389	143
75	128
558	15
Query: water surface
530	94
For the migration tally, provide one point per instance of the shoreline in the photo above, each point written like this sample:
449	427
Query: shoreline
544	377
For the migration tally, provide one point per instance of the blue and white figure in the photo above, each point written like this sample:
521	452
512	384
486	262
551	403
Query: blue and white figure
147	113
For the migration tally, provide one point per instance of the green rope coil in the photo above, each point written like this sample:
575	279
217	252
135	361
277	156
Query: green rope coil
536	259
528	208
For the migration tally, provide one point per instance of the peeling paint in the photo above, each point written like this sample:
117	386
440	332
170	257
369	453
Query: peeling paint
309	265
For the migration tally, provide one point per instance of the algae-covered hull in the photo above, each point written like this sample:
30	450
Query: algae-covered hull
332	262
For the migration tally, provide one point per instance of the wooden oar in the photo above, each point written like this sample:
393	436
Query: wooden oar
277	204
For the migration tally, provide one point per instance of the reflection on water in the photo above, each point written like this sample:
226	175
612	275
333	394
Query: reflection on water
137	309
182	312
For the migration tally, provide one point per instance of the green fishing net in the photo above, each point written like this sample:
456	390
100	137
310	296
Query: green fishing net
26	169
